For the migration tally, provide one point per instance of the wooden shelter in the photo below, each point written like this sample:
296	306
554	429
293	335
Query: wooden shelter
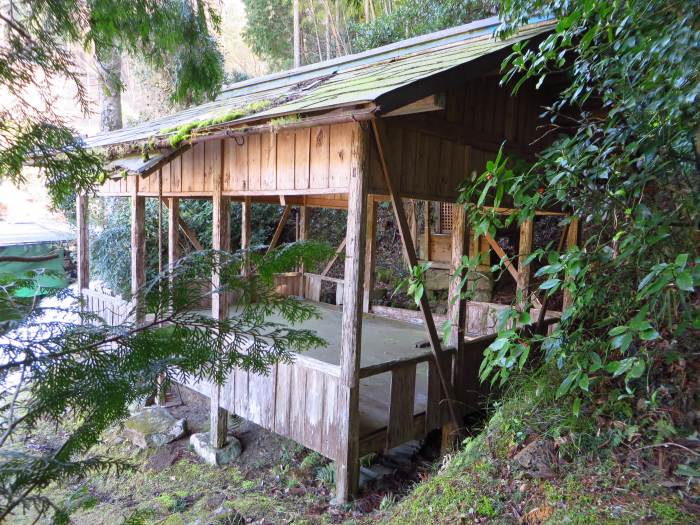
410	120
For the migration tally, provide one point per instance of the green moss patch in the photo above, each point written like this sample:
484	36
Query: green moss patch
184	132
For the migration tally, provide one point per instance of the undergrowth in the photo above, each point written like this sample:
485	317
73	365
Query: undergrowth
534	462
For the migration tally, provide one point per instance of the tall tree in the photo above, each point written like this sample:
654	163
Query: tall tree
109	78
36	52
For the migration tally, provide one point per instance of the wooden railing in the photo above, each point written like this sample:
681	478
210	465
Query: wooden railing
113	310
403	423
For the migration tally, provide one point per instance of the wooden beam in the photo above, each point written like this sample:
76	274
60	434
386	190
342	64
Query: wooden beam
460	134
434	102
83	244
410	251
527	229
138	248
280	228
504	257
338	251
370	255
189	232
348	466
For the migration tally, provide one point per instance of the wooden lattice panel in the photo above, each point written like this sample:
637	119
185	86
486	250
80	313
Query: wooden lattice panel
445	223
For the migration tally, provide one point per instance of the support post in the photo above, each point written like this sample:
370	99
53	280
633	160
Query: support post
370	254
572	239
246	207
527	229
138	248
83	244
426	229
302	235
457	312
348	466
173	230
220	240
410	252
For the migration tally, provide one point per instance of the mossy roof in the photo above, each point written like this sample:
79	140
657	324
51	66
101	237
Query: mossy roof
364	78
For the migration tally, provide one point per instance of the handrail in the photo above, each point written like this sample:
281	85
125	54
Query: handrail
388	366
323	277
482	340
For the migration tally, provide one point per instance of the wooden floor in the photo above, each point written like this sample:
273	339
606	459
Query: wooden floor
383	340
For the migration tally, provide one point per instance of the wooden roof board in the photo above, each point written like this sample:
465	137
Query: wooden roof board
349	81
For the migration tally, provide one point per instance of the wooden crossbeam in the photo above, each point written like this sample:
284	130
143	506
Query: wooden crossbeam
504	257
280	228
338	251
410	252
189	232
509	266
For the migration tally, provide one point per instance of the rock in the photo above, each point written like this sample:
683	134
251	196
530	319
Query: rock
224	516
536	458
153	427
215	456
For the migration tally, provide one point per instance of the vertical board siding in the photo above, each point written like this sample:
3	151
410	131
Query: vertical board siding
319	157
287	162
295	400
268	163
302	155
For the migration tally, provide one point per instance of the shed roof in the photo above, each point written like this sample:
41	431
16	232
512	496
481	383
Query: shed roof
370	77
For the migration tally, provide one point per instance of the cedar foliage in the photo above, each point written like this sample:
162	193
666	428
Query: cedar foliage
73	370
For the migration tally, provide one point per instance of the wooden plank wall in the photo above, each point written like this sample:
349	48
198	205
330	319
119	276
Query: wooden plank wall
312	160
113	310
438	150
297	400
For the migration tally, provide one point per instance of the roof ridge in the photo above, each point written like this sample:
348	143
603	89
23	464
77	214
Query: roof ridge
471	27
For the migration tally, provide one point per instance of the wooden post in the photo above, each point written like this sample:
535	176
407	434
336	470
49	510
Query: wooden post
572	239
457	313
456	305
426	229
302	235
173	231
348	466
218	419
220	240
410	252
527	229
83	242
370	254
138	247
245	231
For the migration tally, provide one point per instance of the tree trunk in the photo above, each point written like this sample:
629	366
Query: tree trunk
297	36
109	82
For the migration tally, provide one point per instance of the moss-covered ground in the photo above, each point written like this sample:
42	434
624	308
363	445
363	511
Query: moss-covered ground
577	480
570	474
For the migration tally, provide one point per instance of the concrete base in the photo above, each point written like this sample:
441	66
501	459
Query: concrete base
215	456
